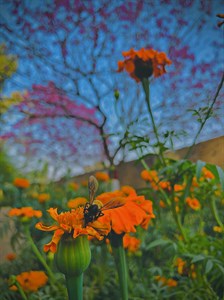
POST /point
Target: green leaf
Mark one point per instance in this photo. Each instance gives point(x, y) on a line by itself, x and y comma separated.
point(197, 258)
point(159, 242)
point(209, 266)
point(221, 176)
point(199, 165)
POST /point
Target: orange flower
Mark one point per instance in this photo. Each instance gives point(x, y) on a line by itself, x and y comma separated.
point(161, 279)
point(28, 212)
point(30, 281)
point(10, 256)
point(193, 273)
point(74, 186)
point(180, 263)
point(143, 63)
point(168, 282)
point(128, 190)
point(207, 174)
point(193, 203)
point(84, 183)
point(76, 202)
point(217, 228)
point(162, 204)
point(21, 183)
point(150, 175)
point(194, 184)
point(43, 197)
point(131, 243)
point(72, 222)
point(102, 176)
point(171, 282)
point(136, 210)
point(165, 185)
point(178, 187)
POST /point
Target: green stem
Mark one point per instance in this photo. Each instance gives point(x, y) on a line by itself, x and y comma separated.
point(38, 255)
point(145, 84)
point(143, 162)
point(21, 291)
point(205, 119)
point(215, 214)
point(121, 263)
point(74, 286)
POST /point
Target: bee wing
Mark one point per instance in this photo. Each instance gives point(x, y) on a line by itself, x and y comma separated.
point(93, 186)
point(113, 203)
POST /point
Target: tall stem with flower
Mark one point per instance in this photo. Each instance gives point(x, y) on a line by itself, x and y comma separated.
point(145, 84)
point(141, 65)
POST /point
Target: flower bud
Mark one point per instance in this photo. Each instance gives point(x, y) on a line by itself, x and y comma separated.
point(73, 255)
point(116, 94)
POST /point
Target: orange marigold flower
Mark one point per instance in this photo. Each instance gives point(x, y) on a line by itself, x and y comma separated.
point(136, 210)
point(43, 197)
point(217, 228)
point(31, 281)
point(178, 187)
point(72, 222)
point(150, 175)
point(10, 256)
point(131, 243)
point(171, 282)
point(22, 183)
point(193, 273)
point(76, 202)
point(162, 204)
point(207, 174)
point(143, 63)
point(194, 184)
point(176, 199)
point(193, 203)
point(84, 183)
point(165, 185)
point(128, 190)
point(28, 212)
point(102, 176)
point(74, 186)
point(168, 282)
point(161, 279)
point(180, 264)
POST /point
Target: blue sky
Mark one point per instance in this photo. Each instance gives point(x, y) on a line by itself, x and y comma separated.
point(123, 26)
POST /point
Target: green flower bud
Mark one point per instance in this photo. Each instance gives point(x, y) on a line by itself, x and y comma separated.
point(73, 255)
point(25, 219)
point(116, 94)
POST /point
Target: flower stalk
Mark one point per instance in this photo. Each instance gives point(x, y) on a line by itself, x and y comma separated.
point(215, 214)
point(74, 286)
point(145, 84)
point(121, 263)
point(38, 254)
point(72, 259)
point(13, 281)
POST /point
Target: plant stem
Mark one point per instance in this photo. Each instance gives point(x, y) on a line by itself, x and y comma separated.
point(74, 286)
point(145, 84)
point(21, 291)
point(205, 119)
point(39, 255)
point(215, 214)
point(121, 263)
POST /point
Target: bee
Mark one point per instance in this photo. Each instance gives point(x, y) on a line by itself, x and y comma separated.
point(94, 208)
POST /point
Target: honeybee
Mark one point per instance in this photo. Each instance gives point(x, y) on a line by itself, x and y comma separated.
point(94, 208)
